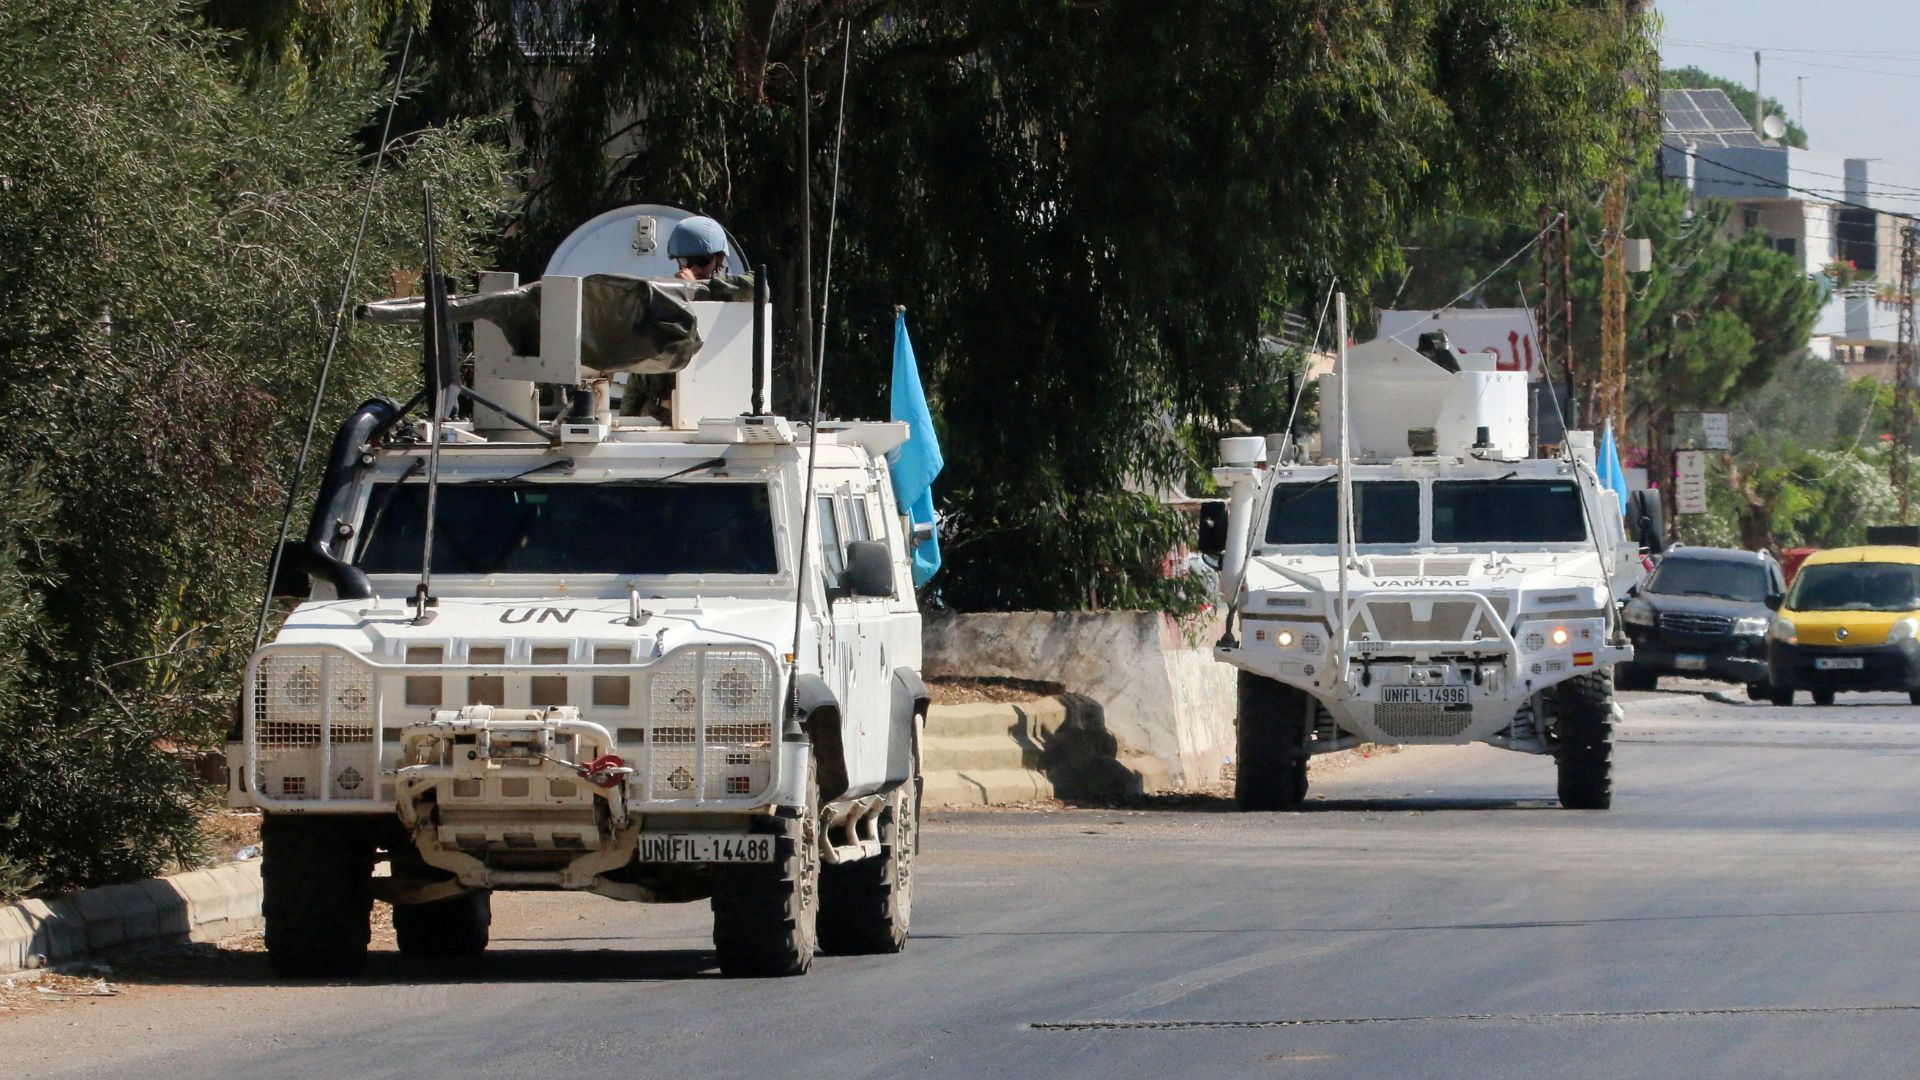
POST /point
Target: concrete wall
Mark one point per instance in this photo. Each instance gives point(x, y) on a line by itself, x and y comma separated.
point(1155, 678)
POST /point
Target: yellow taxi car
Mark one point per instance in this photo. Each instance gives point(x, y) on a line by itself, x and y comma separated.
point(1851, 621)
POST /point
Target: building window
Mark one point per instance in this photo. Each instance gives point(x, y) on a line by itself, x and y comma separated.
point(1855, 235)
point(1750, 217)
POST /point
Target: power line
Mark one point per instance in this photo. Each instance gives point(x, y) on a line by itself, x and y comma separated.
point(1779, 185)
point(1810, 63)
point(1872, 54)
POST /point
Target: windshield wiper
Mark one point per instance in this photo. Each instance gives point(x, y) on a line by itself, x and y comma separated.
point(557, 463)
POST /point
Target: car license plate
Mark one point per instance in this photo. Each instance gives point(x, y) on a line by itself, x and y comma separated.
point(1423, 695)
point(1689, 663)
point(1839, 663)
point(683, 848)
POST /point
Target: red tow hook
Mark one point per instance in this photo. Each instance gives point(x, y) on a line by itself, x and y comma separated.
point(606, 771)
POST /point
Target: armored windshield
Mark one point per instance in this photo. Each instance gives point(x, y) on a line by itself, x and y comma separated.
point(570, 528)
point(1384, 511)
point(1507, 512)
point(1710, 577)
point(1861, 586)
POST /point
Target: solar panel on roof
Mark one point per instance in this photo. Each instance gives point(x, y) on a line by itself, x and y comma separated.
point(1705, 117)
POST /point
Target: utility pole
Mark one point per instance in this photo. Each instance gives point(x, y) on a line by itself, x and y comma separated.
point(1759, 109)
point(1899, 468)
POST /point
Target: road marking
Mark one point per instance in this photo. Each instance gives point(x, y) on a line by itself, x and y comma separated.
point(1628, 1014)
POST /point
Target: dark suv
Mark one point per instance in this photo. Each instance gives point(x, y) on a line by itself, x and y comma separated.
point(1703, 613)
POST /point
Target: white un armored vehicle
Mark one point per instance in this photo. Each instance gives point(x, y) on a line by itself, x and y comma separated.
point(665, 651)
point(1469, 596)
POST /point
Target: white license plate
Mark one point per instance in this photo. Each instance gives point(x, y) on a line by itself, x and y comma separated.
point(1423, 695)
point(1839, 663)
point(683, 848)
point(1690, 663)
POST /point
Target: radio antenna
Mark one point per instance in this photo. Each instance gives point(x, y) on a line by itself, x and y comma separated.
point(436, 350)
point(815, 362)
point(333, 345)
point(833, 201)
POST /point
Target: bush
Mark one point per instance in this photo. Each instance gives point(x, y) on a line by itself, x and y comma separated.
point(174, 240)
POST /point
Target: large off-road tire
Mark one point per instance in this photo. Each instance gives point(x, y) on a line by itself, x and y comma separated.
point(1632, 676)
point(456, 926)
point(1823, 697)
point(316, 877)
point(1914, 696)
point(766, 915)
point(1270, 758)
point(1780, 695)
point(867, 906)
point(1583, 722)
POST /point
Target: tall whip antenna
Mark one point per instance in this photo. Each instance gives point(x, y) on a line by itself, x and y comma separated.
point(437, 353)
point(813, 418)
point(333, 344)
point(833, 203)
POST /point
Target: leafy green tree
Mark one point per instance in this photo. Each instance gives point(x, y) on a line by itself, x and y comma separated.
point(175, 243)
point(1089, 210)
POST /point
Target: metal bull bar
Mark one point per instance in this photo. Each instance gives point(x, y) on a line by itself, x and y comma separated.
point(1503, 644)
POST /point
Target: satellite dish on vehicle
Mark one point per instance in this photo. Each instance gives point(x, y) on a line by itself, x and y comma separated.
point(1773, 127)
point(631, 240)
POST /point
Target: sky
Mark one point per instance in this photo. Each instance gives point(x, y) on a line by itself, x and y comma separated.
point(1854, 63)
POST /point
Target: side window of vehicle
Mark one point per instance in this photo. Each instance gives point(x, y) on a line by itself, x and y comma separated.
point(859, 526)
point(833, 554)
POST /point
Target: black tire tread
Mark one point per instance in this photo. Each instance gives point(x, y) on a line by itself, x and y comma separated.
point(1823, 697)
point(765, 915)
point(866, 907)
point(316, 895)
point(453, 927)
point(1270, 767)
point(1583, 709)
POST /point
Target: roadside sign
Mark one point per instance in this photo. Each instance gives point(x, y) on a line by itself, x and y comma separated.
point(1702, 431)
point(1690, 481)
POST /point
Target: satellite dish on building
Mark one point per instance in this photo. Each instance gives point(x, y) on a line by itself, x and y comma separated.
point(1773, 127)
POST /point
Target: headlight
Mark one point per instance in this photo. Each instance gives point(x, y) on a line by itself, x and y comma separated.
point(1642, 615)
point(1904, 630)
point(1752, 625)
point(1783, 631)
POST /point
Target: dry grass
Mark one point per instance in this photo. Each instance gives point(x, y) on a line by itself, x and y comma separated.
point(966, 690)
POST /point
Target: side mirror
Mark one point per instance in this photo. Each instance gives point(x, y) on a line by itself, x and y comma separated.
point(1774, 600)
point(292, 580)
point(1213, 528)
point(1633, 590)
point(869, 569)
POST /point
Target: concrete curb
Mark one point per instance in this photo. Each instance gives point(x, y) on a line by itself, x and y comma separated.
point(1056, 747)
point(202, 905)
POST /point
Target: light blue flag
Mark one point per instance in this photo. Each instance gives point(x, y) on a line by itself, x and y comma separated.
point(1608, 460)
point(917, 461)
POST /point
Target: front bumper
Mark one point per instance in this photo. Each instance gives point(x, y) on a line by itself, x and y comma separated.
point(1882, 667)
point(1729, 657)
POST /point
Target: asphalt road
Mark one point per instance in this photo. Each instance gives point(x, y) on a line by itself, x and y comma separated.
point(1747, 909)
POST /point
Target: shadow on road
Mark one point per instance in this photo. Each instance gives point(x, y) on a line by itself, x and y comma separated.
point(207, 965)
point(1213, 803)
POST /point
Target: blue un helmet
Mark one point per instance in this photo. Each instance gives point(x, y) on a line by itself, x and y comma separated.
point(697, 238)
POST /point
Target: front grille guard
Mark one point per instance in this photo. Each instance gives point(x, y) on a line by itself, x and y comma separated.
point(336, 726)
point(1501, 646)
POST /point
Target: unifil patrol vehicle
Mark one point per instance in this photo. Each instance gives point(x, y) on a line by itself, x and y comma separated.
point(1426, 579)
point(593, 620)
